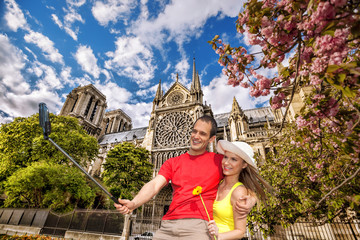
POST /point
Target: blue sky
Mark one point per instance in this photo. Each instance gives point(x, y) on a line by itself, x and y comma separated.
point(123, 47)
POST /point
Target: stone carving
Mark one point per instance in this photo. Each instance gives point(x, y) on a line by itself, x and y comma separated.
point(174, 129)
point(175, 98)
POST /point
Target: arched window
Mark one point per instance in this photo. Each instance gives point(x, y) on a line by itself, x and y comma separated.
point(107, 125)
point(94, 111)
point(111, 125)
point(88, 106)
point(76, 99)
point(119, 128)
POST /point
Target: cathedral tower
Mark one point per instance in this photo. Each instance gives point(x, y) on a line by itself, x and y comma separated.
point(238, 122)
point(88, 105)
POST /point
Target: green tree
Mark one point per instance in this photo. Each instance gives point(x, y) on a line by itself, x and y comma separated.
point(22, 143)
point(48, 185)
point(126, 170)
point(303, 175)
point(314, 44)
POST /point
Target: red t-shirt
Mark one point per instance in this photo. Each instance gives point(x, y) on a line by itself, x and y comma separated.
point(186, 172)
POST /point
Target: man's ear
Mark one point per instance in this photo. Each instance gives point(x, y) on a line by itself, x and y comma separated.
point(212, 138)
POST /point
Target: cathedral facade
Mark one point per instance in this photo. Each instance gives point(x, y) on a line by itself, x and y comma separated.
point(168, 133)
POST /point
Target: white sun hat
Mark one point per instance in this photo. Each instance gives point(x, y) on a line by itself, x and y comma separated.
point(242, 149)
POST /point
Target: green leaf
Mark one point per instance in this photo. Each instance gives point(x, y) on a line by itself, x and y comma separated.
point(332, 68)
point(341, 77)
point(349, 65)
point(329, 32)
point(349, 93)
point(354, 71)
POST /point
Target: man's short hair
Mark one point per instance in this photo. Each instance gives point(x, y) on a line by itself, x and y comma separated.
point(211, 120)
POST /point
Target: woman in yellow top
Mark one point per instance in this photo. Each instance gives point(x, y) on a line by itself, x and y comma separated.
point(241, 178)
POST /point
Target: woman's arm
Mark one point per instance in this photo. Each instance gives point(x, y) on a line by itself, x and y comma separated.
point(239, 221)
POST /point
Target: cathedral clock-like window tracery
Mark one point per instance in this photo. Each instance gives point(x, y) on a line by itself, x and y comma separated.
point(174, 129)
point(175, 98)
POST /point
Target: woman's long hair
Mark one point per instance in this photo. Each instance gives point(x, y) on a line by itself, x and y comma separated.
point(252, 180)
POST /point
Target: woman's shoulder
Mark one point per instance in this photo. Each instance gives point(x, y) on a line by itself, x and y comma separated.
point(239, 191)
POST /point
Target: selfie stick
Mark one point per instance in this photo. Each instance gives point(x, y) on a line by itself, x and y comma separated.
point(44, 121)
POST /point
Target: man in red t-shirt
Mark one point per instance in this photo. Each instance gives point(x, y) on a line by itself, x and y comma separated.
point(186, 217)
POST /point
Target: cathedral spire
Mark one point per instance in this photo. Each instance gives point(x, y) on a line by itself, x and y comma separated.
point(194, 72)
point(195, 90)
point(195, 84)
point(158, 95)
point(236, 108)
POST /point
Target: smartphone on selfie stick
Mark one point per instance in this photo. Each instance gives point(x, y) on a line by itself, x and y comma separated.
point(44, 121)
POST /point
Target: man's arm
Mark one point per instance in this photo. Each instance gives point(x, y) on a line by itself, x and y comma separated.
point(244, 205)
point(148, 191)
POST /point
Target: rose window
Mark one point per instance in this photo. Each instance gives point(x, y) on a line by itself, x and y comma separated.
point(175, 98)
point(174, 129)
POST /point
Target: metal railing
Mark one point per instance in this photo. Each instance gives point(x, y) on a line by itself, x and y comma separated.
point(112, 223)
point(91, 221)
point(299, 231)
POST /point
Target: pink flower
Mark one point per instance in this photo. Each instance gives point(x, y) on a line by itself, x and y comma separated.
point(338, 3)
point(315, 80)
point(267, 31)
point(244, 84)
point(313, 178)
point(319, 65)
point(301, 122)
point(319, 166)
point(265, 22)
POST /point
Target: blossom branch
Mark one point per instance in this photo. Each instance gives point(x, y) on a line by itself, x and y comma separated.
point(339, 186)
point(292, 91)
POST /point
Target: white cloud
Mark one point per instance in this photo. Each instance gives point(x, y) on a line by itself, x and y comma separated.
point(132, 59)
point(139, 113)
point(26, 105)
point(48, 78)
point(112, 10)
point(114, 31)
point(70, 18)
point(220, 96)
point(182, 68)
point(87, 60)
point(115, 95)
point(57, 21)
point(65, 75)
point(168, 66)
point(16, 97)
point(72, 33)
point(46, 45)
point(76, 3)
point(14, 17)
point(107, 74)
point(12, 61)
point(181, 19)
point(5, 119)
point(147, 92)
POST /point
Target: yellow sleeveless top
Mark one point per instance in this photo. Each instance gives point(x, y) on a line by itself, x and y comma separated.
point(223, 212)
